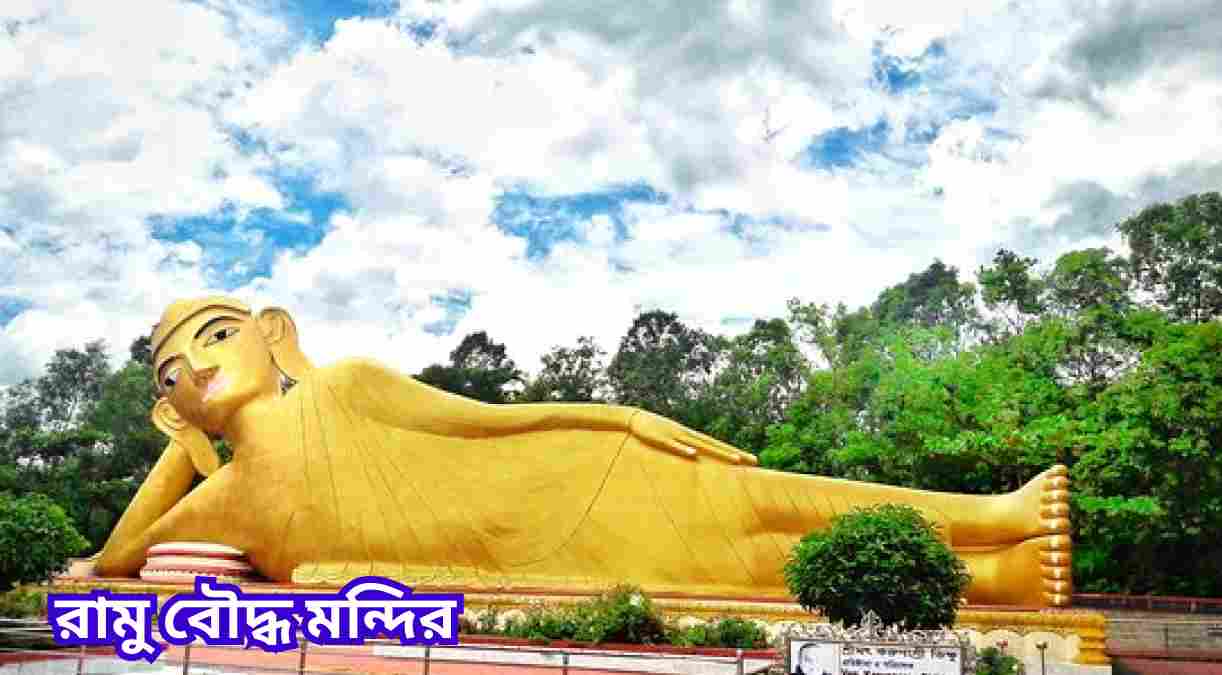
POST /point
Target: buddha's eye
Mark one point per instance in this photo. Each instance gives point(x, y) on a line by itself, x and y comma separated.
point(222, 334)
point(170, 379)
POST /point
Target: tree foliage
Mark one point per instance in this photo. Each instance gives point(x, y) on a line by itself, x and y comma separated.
point(1148, 475)
point(886, 559)
point(569, 374)
point(764, 372)
point(1011, 288)
point(930, 298)
point(479, 368)
point(72, 384)
point(662, 365)
point(1177, 255)
point(36, 539)
point(141, 350)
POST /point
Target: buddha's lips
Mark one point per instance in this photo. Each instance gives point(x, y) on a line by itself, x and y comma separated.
point(215, 385)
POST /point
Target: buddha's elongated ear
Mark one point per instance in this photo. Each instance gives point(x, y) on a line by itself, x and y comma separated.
point(195, 442)
point(280, 333)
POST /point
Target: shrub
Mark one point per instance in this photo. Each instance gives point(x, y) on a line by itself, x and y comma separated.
point(23, 602)
point(993, 661)
point(36, 539)
point(546, 623)
point(623, 614)
point(884, 558)
point(725, 632)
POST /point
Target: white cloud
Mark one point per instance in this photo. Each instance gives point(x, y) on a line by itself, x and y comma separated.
point(1041, 130)
point(109, 117)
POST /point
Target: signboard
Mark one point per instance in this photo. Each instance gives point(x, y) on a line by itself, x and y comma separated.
point(874, 649)
point(817, 657)
point(223, 614)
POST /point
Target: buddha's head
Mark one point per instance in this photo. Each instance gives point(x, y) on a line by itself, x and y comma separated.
point(212, 356)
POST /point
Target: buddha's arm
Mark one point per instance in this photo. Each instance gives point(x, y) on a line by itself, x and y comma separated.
point(398, 400)
point(395, 399)
point(167, 482)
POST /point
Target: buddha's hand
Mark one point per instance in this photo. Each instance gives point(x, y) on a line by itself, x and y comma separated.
point(670, 436)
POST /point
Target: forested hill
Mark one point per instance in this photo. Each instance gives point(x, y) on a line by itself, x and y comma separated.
point(1109, 364)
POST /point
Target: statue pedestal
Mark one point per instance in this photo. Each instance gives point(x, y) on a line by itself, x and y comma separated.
point(181, 562)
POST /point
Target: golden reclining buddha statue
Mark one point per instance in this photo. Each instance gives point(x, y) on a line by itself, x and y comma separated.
point(358, 469)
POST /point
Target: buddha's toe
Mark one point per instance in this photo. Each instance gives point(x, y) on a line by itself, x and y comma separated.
point(1054, 511)
point(1056, 569)
point(1054, 525)
point(1053, 506)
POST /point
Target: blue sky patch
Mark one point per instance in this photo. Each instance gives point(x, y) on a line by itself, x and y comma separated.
point(317, 17)
point(456, 303)
point(843, 147)
point(892, 73)
point(246, 143)
point(966, 106)
point(739, 223)
point(897, 75)
point(237, 251)
point(545, 221)
point(10, 307)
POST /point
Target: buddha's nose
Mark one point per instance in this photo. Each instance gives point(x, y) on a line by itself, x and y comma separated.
point(202, 376)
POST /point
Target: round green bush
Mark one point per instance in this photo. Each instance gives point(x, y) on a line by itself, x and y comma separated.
point(36, 539)
point(884, 558)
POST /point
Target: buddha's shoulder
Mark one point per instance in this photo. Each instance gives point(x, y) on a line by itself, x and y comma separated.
point(355, 373)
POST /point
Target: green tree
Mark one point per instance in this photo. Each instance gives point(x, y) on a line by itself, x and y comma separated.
point(1091, 290)
point(131, 446)
point(886, 559)
point(22, 413)
point(839, 336)
point(1089, 280)
point(823, 420)
point(980, 421)
point(36, 539)
point(479, 368)
point(662, 365)
point(1148, 483)
point(1011, 288)
point(72, 384)
point(930, 298)
point(141, 350)
point(123, 412)
point(569, 374)
point(1176, 253)
point(91, 467)
point(764, 373)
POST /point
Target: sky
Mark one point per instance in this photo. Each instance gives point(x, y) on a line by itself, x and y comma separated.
point(400, 174)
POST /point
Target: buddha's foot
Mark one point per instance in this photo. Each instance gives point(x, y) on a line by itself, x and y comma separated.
point(1047, 498)
point(1032, 573)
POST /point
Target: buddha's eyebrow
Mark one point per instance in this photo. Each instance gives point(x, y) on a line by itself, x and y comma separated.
point(205, 327)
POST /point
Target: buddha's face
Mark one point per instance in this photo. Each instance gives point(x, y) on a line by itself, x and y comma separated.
point(213, 364)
